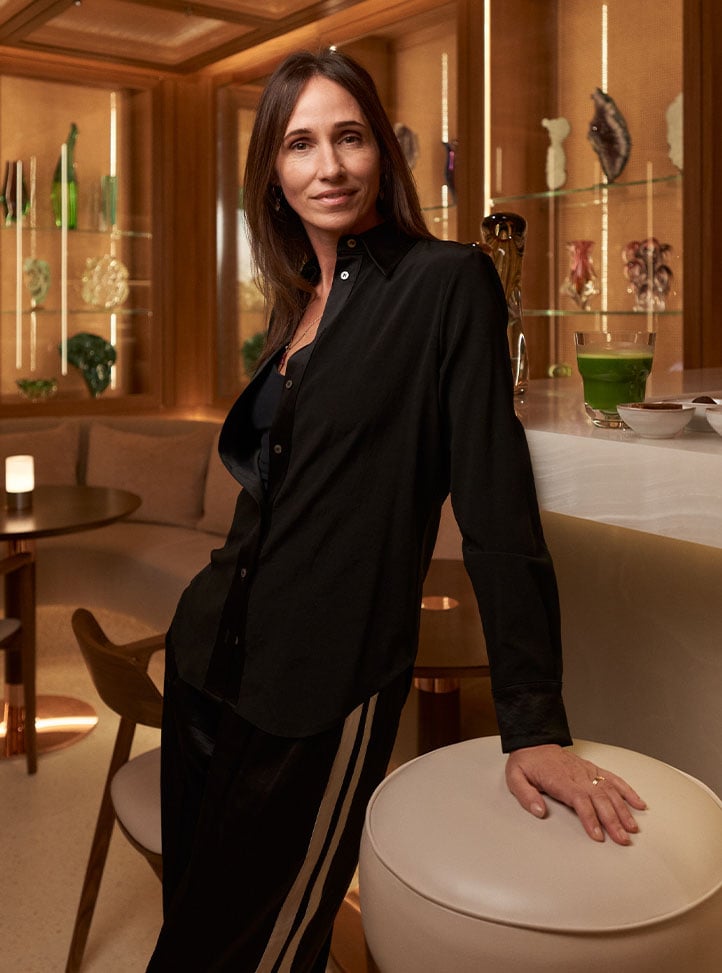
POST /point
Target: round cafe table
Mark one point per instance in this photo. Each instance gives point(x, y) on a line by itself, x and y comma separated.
point(37, 724)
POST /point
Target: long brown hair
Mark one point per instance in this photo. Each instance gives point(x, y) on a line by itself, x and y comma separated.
point(279, 244)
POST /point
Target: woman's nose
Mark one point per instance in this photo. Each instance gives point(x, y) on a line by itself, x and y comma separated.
point(329, 162)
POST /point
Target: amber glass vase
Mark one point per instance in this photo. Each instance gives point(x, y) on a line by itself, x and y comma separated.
point(504, 238)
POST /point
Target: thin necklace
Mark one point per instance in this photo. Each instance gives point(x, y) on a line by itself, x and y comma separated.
point(296, 340)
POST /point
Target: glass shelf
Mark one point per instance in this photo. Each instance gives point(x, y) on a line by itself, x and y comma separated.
point(595, 188)
point(46, 312)
point(80, 232)
point(594, 313)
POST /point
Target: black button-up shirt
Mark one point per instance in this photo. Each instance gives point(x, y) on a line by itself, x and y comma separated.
point(313, 603)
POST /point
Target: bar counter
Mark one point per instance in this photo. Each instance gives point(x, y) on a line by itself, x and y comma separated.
point(635, 529)
point(668, 487)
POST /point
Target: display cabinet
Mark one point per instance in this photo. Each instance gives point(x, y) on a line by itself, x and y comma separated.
point(518, 141)
point(584, 138)
point(77, 291)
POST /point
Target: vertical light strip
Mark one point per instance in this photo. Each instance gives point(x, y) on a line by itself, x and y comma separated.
point(444, 130)
point(113, 168)
point(18, 264)
point(64, 258)
point(604, 269)
point(33, 206)
point(650, 234)
point(33, 254)
point(605, 53)
point(444, 97)
point(113, 337)
point(113, 136)
point(487, 107)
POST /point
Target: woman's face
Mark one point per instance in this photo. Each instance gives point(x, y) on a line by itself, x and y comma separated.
point(328, 165)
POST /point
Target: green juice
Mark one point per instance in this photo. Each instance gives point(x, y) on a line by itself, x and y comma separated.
point(611, 377)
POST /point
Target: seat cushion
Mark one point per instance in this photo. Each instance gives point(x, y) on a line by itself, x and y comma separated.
point(168, 472)
point(54, 446)
point(456, 875)
point(135, 791)
point(8, 627)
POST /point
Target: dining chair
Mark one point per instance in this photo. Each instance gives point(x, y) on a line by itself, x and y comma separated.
point(17, 639)
point(131, 795)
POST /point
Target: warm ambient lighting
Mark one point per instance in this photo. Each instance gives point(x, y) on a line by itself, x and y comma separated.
point(19, 482)
point(57, 724)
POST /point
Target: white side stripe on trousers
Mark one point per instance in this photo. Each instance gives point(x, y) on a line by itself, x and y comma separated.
point(315, 858)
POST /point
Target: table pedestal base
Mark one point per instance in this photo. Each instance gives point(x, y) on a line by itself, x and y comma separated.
point(60, 721)
point(439, 720)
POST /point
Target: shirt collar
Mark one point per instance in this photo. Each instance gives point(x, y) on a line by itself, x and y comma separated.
point(385, 244)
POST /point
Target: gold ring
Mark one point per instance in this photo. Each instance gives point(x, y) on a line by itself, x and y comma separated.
point(598, 779)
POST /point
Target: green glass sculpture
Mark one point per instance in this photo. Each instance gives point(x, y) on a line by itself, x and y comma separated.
point(71, 182)
point(251, 351)
point(94, 357)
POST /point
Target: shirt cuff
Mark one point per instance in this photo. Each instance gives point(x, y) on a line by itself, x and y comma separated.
point(531, 716)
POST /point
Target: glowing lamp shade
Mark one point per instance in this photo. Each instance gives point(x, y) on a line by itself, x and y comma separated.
point(19, 482)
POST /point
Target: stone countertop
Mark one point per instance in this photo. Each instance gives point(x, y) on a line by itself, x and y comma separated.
point(668, 487)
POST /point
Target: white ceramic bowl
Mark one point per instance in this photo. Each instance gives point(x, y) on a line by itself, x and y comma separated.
point(656, 420)
point(714, 418)
point(699, 419)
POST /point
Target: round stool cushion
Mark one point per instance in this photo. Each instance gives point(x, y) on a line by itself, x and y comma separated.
point(456, 877)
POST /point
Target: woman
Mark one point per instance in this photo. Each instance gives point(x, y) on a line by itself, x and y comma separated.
point(384, 383)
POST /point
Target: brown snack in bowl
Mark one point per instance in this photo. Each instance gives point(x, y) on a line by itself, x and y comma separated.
point(659, 406)
point(704, 398)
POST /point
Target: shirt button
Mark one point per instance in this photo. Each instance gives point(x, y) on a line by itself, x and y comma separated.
point(344, 275)
point(289, 383)
point(278, 449)
point(351, 243)
point(244, 572)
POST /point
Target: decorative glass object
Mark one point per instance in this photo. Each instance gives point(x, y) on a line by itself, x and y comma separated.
point(108, 201)
point(94, 357)
point(104, 282)
point(37, 389)
point(648, 273)
point(10, 194)
point(56, 192)
point(609, 135)
point(450, 168)
point(675, 131)
point(581, 283)
point(504, 238)
point(36, 274)
point(556, 163)
point(251, 351)
point(409, 142)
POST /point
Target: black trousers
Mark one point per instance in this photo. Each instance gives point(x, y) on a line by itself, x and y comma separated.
point(261, 833)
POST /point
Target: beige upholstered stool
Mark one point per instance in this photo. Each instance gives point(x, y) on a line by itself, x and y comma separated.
point(455, 877)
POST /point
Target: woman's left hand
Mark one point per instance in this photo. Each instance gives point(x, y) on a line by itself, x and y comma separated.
point(601, 799)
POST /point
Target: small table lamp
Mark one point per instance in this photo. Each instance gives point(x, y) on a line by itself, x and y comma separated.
point(19, 482)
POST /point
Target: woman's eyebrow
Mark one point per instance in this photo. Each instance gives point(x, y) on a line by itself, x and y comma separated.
point(307, 131)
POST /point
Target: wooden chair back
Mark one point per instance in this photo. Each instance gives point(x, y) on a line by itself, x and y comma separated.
point(120, 675)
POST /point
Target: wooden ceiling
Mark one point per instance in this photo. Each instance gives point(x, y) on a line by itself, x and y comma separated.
point(169, 35)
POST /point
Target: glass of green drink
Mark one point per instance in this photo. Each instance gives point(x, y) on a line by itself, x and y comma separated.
point(614, 366)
